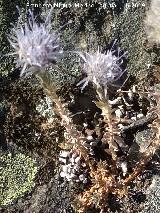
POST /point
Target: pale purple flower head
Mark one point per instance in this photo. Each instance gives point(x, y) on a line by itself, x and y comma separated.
point(102, 69)
point(35, 45)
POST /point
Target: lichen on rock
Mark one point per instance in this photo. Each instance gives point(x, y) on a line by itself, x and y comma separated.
point(17, 174)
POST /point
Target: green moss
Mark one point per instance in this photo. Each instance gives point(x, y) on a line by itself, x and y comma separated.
point(129, 27)
point(17, 175)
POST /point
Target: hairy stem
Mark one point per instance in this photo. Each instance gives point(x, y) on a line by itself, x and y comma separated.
point(103, 104)
point(73, 136)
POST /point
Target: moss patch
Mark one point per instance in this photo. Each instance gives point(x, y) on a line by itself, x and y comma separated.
point(17, 175)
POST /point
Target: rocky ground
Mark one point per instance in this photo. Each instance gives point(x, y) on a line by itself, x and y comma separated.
point(31, 135)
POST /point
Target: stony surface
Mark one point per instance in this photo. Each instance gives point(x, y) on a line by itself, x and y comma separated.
point(16, 177)
point(152, 203)
point(26, 128)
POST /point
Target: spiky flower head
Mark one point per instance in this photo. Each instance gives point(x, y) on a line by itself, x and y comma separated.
point(102, 69)
point(36, 45)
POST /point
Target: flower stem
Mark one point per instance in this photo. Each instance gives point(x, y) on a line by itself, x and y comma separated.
point(73, 136)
